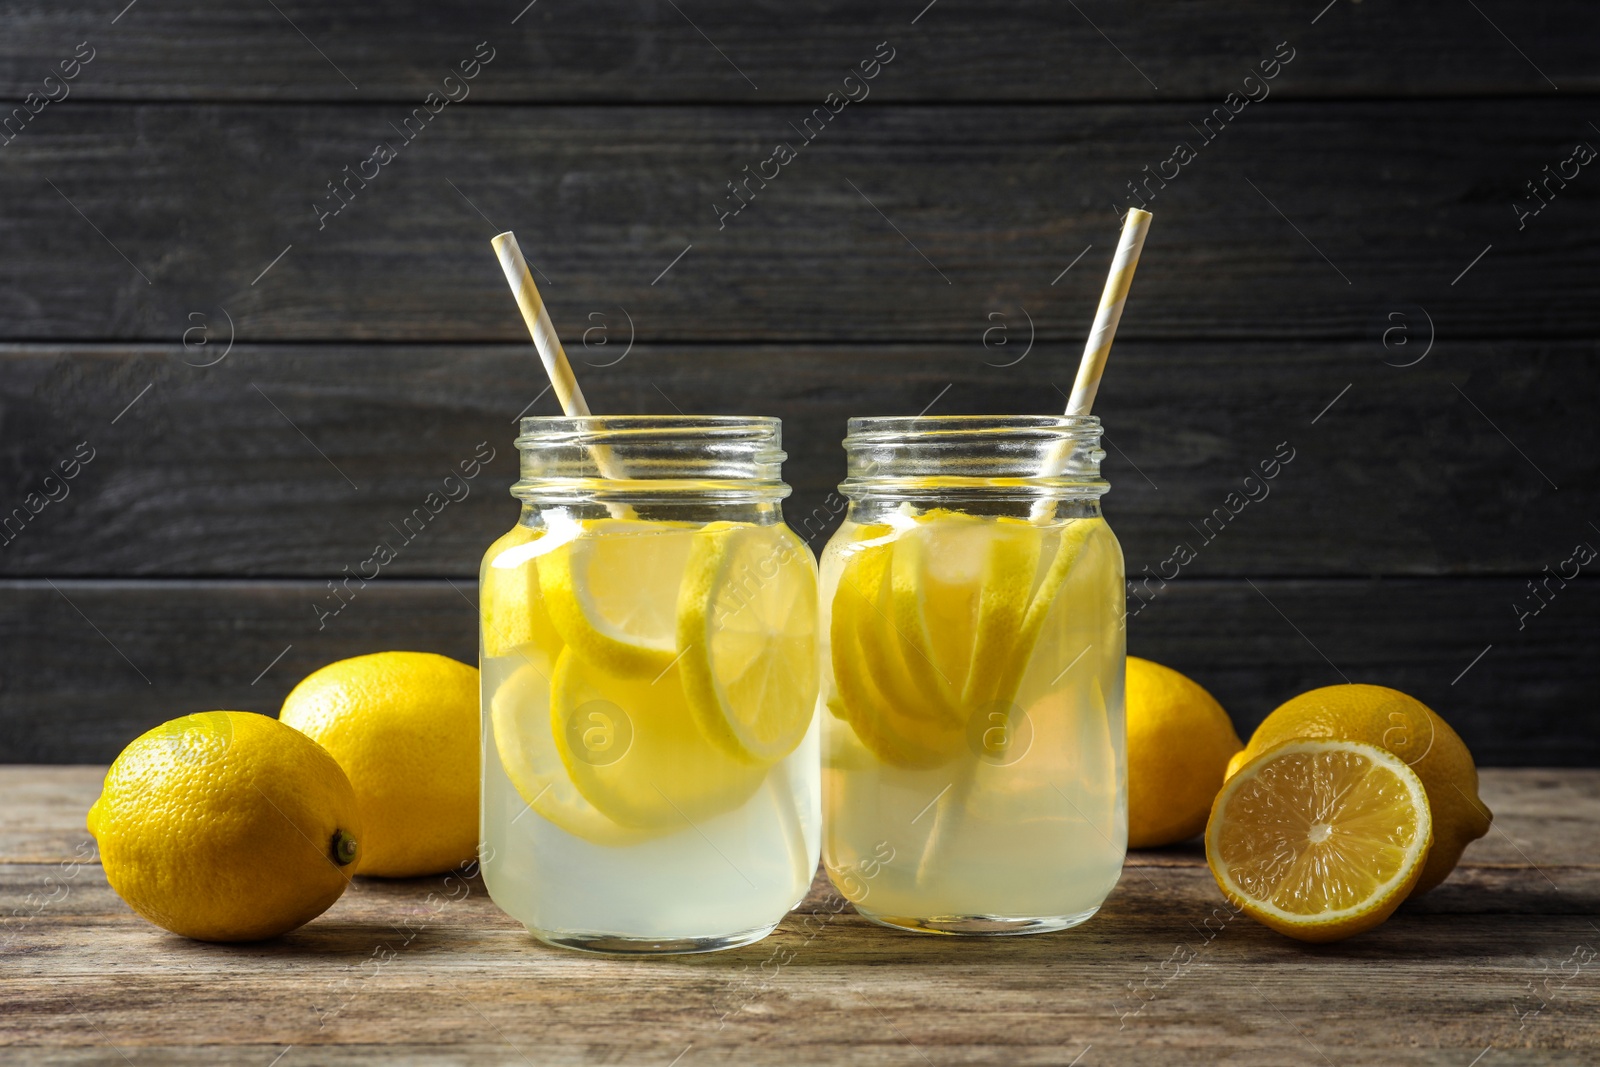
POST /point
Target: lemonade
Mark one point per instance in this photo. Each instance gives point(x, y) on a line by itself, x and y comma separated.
point(650, 737)
point(974, 678)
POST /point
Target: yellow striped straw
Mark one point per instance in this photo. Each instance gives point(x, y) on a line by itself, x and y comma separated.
point(551, 354)
point(1123, 264)
point(1134, 228)
point(540, 328)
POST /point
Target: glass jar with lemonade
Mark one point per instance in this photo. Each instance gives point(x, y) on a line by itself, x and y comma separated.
point(650, 726)
point(974, 752)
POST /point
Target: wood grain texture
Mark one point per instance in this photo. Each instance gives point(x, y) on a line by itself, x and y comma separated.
point(240, 468)
point(635, 50)
point(35, 819)
point(897, 223)
point(429, 971)
point(91, 664)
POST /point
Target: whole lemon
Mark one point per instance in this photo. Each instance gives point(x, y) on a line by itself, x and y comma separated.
point(1179, 741)
point(1406, 727)
point(404, 726)
point(226, 826)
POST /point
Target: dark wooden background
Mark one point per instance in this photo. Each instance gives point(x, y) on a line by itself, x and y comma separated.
point(1341, 269)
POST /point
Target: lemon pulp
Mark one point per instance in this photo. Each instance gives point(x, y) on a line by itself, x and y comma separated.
point(1320, 839)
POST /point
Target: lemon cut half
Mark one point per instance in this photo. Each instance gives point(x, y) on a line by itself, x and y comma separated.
point(1320, 840)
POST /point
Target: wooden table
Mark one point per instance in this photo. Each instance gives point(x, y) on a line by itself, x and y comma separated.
point(1498, 966)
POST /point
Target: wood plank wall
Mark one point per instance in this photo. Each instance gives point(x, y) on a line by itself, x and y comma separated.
point(250, 378)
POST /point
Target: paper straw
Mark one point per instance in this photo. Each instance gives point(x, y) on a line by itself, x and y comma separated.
point(1134, 227)
point(551, 354)
point(952, 804)
point(540, 327)
point(1123, 264)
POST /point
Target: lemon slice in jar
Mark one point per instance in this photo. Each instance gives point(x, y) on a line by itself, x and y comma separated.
point(1073, 540)
point(511, 603)
point(746, 628)
point(519, 711)
point(961, 590)
point(872, 691)
point(612, 593)
point(634, 750)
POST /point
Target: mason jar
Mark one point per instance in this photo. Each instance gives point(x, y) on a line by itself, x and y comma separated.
point(974, 765)
point(650, 726)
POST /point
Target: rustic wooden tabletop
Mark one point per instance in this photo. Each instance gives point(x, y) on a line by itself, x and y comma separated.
point(1498, 966)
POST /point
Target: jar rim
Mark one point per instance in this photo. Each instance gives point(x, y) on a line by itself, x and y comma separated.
point(873, 428)
point(669, 424)
point(973, 456)
point(998, 419)
point(650, 458)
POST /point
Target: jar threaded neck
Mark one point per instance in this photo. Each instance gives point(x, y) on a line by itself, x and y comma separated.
point(1036, 457)
point(644, 458)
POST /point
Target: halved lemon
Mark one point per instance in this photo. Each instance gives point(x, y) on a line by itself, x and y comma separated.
point(1320, 840)
point(520, 713)
point(612, 593)
point(509, 597)
point(747, 625)
point(633, 749)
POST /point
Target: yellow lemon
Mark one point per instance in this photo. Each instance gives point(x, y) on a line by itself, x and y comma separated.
point(226, 826)
point(1405, 726)
point(867, 636)
point(526, 745)
point(1071, 543)
point(747, 624)
point(611, 590)
point(508, 593)
point(681, 663)
point(936, 582)
point(404, 726)
point(936, 622)
point(634, 750)
point(961, 586)
point(1179, 742)
point(874, 691)
point(1319, 840)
